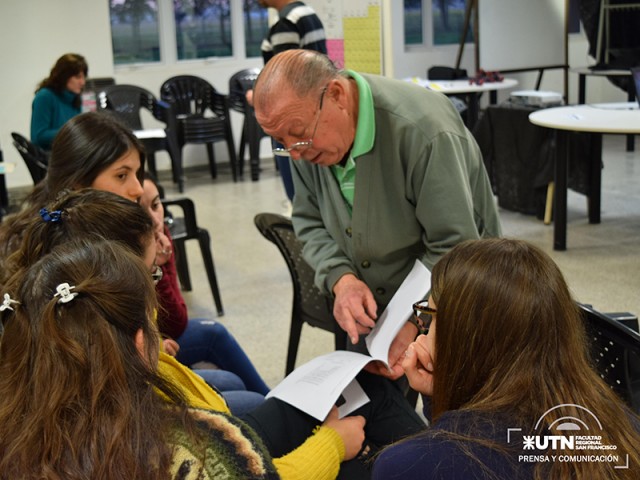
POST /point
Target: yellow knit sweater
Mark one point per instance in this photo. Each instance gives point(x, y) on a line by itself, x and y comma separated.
point(318, 458)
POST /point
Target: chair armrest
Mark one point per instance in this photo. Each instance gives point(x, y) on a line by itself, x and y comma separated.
point(188, 212)
point(163, 111)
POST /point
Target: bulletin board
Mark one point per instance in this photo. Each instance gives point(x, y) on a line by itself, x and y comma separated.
point(354, 32)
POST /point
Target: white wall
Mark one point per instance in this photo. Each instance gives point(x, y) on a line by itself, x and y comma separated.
point(34, 33)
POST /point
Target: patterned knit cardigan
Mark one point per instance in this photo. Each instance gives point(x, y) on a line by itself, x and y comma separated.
point(230, 450)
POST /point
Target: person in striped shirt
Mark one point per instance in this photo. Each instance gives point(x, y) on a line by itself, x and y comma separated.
point(298, 26)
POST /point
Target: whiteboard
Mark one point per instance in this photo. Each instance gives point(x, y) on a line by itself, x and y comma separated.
point(516, 34)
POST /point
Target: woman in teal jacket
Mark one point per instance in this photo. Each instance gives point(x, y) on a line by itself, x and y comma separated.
point(58, 98)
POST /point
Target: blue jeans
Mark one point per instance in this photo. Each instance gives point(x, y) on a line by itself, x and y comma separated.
point(284, 167)
point(232, 388)
point(209, 341)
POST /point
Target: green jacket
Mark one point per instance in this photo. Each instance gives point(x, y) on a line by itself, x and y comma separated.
point(419, 191)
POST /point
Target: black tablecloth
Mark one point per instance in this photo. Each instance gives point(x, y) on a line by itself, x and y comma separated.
point(519, 157)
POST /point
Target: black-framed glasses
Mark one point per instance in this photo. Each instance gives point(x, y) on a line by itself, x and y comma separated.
point(156, 274)
point(303, 145)
point(424, 313)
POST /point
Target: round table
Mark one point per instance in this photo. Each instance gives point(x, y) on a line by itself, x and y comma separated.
point(584, 72)
point(616, 118)
point(472, 91)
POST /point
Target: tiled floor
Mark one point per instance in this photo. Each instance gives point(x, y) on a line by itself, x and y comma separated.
point(602, 262)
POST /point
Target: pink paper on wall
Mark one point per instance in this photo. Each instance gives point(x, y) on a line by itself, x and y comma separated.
point(335, 51)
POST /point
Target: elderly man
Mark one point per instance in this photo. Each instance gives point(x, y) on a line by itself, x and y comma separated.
point(298, 26)
point(390, 175)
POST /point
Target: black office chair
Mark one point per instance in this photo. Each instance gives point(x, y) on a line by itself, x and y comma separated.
point(127, 101)
point(252, 132)
point(183, 228)
point(615, 352)
point(202, 116)
point(309, 304)
point(36, 158)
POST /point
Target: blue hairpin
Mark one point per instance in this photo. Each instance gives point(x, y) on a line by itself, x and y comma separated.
point(48, 216)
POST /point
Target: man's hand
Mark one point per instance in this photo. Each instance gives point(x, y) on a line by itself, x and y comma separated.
point(398, 347)
point(418, 365)
point(354, 308)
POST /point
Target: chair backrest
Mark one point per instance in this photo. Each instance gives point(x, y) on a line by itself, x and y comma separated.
point(126, 101)
point(191, 95)
point(239, 83)
point(95, 84)
point(184, 227)
point(615, 352)
point(36, 158)
point(309, 303)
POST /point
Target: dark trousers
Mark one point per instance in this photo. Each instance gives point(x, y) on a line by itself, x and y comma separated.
point(284, 167)
point(389, 417)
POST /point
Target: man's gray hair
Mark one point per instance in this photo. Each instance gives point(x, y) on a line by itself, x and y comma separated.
point(301, 72)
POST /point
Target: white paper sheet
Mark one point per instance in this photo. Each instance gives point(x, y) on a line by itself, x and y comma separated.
point(316, 386)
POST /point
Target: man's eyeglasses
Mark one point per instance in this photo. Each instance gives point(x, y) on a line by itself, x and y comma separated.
point(156, 274)
point(424, 313)
point(301, 146)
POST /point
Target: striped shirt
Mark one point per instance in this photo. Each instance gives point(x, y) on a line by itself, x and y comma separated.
point(298, 26)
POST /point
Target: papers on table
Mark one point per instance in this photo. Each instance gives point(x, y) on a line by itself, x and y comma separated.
point(150, 133)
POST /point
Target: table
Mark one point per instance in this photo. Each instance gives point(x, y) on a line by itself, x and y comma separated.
point(584, 72)
point(472, 92)
point(617, 118)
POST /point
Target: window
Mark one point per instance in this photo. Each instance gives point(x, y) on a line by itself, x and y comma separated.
point(448, 21)
point(203, 29)
point(413, 22)
point(444, 19)
point(256, 26)
point(135, 36)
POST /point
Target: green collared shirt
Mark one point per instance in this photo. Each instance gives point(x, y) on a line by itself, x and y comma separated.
point(363, 142)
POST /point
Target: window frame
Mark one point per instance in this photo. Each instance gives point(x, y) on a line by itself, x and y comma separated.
point(428, 33)
point(168, 42)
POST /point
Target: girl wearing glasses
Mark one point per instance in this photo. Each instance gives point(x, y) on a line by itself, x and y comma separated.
point(505, 362)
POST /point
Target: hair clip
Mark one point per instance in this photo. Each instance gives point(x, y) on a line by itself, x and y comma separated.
point(65, 293)
point(48, 216)
point(7, 302)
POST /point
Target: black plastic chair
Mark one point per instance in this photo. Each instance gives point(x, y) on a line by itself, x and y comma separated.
point(202, 116)
point(127, 101)
point(95, 84)
point(36, 158)
point(252, 133)
point(615, 352)
point(186, 228)
point(309, 304)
